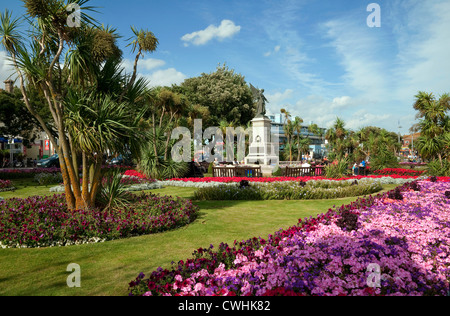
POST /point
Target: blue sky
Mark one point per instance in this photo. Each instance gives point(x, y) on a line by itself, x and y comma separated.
point(318, 58)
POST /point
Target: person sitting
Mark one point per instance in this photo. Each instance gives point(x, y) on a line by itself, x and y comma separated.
point(216, 162)
point(362, 168)
point(355, 169)
point(235, 162)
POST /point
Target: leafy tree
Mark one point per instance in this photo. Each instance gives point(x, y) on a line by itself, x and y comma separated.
point(224, 93)
point(16, 119)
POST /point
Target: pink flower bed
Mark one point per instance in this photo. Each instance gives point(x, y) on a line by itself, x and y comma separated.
point(396, 243)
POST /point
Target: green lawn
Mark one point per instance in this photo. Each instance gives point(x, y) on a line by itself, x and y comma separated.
point(106, 269)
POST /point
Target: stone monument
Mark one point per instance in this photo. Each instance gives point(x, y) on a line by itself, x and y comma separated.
point(263, 149)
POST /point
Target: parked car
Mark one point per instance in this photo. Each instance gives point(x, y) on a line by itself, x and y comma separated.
point(51, 162)
point(121, 161)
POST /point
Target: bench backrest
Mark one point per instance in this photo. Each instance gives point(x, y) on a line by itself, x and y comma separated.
point(244, 172)
point(295, 172)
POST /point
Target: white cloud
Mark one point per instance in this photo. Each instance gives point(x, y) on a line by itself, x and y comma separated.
point(165, 77)
point(227, 29)
point(363, 118)
point(149, 69)
point(279, 97)
point(6, 69)
point(143, 64)
point(274, 51)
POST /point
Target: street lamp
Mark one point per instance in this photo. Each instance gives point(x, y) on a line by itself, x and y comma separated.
point(11, 154)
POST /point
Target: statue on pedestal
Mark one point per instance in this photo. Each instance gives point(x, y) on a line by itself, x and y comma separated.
point(258, 94)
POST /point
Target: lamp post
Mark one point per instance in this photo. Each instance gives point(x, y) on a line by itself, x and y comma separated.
point(11, 154)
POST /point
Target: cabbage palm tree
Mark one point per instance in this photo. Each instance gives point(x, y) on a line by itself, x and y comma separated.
point(336, 136)
point(434, 124)
point(62, 61)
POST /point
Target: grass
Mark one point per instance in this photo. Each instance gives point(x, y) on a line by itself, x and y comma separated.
point(106, 269)
point(26, 187)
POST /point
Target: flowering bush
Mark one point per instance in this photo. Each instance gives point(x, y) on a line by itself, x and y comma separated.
point(46, 221)
point(374, 246)
point(6, 185)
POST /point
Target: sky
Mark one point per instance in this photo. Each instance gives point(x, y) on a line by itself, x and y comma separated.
point(318, 59)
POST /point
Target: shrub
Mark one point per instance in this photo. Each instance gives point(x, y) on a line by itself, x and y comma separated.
point(210, 168)
point(48, 178)
point(336, 171)
point(112, 192)
point(384, 159)
point(278, 172)
point(435, 168)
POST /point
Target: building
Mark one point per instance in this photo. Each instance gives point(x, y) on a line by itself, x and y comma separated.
point(318, 148)
point(409, 149)
point(41, 148)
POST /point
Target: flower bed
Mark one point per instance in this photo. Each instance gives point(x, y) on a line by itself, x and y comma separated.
point(131, 179)
point(283, 179)
point(399, 172)
point(298, 190)
point(46, 221)
point(389, 244)
point(214, 182)
point(26, 173)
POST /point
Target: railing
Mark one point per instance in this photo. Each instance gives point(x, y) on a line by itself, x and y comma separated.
point(295, 172)
point(236, 171)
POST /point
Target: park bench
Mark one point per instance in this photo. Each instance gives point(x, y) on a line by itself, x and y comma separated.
point(237, 171)
point(295, 172)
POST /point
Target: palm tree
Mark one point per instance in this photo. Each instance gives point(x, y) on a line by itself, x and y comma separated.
point(433, 124)
point(297, 134)
point(288, 131)
point(336, 137)
point(62, 61)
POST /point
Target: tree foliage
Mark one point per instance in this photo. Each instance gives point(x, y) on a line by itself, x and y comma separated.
point(434, 125)
point(224, 93)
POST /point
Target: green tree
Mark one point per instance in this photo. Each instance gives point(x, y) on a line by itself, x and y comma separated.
point(16, 119)
point(224, 93)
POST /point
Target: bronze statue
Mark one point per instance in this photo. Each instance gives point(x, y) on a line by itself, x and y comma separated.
point(261, 101)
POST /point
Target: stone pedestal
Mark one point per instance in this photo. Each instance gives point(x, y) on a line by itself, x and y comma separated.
point(263, 151)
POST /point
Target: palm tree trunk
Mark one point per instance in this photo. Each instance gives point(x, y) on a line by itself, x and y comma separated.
point(96, 182)
point(86, 178)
